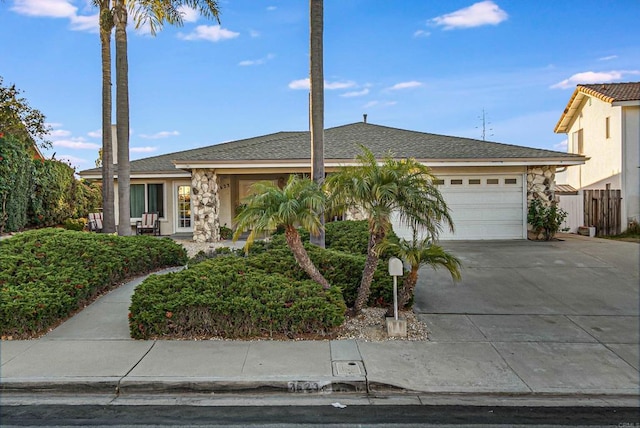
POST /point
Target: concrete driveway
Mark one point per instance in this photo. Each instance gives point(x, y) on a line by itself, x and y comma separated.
point(550, 309)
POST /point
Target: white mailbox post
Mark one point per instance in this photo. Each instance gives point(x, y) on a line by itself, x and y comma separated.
point(395, 326)
point(395, 270)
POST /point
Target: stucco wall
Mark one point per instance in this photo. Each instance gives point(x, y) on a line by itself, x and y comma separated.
point(631, 170)
point(605, 153)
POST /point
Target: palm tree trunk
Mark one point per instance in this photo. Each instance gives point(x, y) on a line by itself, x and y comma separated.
point(108, 202)
point(408, 288)
point(295, 243)
point(122, 119)
point(375, 237)
point(316, 103)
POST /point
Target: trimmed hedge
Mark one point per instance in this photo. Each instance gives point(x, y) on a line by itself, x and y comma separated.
point(342, 270)
point(227, 297)
point(46, 274)
point(350, 236)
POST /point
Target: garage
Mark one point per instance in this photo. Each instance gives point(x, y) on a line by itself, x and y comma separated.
point(482, 207)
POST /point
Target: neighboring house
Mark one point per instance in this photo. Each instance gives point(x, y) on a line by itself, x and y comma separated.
point(485, 184)
point(602, 123)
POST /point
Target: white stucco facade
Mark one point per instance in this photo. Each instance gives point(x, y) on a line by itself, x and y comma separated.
point(608, 134)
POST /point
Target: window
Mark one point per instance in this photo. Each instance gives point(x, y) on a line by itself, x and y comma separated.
point(474, 181)
point(492, 181)
point(456, 181)
point(146, 198)
point(607, 127)
point(510, 181)
point(438, 182)
point(578, 143)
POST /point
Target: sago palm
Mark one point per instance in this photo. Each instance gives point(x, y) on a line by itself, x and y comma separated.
point(295, 205)
point(417, 253)
point(380, 189)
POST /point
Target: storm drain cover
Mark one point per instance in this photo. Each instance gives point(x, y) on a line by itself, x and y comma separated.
point(348, 368)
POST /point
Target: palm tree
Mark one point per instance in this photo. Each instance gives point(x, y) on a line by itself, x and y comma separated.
point(417, 253)
point(122, 117)
point(296, 204)
point(106, 26)
point(316, 102)
point(378, 190)
point(155, 13)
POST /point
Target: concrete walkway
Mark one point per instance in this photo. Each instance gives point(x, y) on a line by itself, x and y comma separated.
point(498, 337)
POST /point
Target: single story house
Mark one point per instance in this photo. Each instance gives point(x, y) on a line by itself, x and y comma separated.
point(486, 184)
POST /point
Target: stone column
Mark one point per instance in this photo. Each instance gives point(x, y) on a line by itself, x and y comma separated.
point(541, 181)
point(205, 204)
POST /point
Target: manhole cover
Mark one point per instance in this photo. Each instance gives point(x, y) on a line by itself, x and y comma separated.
point(348, 368)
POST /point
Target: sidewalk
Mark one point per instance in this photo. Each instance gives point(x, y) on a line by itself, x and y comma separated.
point(92, 353)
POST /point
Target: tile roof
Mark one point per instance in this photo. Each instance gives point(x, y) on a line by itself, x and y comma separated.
point(611, 92)
point(607, 92)
point(343, 143)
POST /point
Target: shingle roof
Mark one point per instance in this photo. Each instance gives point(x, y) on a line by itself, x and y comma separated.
point(611, 92)
point(343, 143)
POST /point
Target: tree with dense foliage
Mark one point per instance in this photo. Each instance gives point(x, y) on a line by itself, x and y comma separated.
point(419, 252)
point(295, 205)
point(316, 101)
point(19, 119)
point(380, 189)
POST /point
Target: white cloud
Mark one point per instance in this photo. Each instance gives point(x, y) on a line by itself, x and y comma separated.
point(95, 134)
point(476, 15)
point(77, 143)
point(88, 23)
point(271, 8)
point(405, 85)
point(379, 104)
point(562, 145)
point(212, 33)
point(300, 84)
point(45, 8)
point(587, 77)
point(189, 14)
point(158, 135)
point(254, 33)
point(146, 149)
point(421, 33)
point(256, 61)
point(305, 84)
point(608, 58)
point(73, 160)
point(361, 93)
point(59, 133)
point(338, 85)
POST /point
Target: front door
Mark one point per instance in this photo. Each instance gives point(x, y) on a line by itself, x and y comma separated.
point(183, 206)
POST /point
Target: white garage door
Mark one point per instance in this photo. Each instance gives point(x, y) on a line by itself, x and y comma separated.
point(482, 207)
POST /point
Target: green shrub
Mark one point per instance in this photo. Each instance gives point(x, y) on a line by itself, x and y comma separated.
point(546, 219)
point(75, 224)
point(47, 274)
point(350, 236)
point(227, 297)
point(15, 183)
point(225, 232)
point(342, 270)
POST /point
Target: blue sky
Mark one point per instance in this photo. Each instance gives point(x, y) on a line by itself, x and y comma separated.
point(430, 66)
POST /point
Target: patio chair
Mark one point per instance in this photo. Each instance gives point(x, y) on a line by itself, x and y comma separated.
point(148, 224)
point(95, 222)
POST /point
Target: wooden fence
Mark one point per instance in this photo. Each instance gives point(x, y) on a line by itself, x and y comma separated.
point(602, 210)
